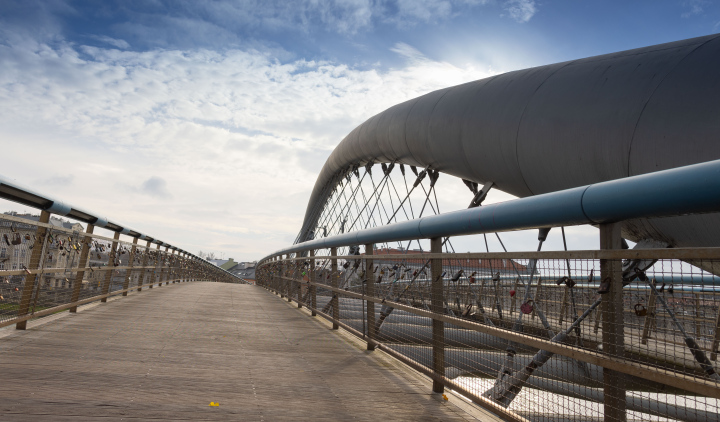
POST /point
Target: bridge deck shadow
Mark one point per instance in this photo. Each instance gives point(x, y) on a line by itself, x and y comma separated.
point(167, 354)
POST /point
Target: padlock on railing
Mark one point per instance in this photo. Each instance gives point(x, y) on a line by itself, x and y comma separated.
point(457, 276)
point(527, 307)
point(604, 286)
point(640, 309)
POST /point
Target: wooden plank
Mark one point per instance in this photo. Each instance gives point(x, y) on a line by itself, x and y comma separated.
point(165, 356)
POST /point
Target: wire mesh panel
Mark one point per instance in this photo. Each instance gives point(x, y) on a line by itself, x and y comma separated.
point(527, 332)
point(51, 265)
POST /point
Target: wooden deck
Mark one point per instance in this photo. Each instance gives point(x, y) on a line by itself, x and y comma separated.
point(166, 353)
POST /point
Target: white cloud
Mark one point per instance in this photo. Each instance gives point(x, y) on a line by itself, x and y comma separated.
point(222, 20)
point(409, 52)
point(121, 44)
point(521, 10)
point(694, 7)
point(207, 150)
point(56, 180)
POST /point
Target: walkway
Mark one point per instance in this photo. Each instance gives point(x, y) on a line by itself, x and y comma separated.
point(165, 354)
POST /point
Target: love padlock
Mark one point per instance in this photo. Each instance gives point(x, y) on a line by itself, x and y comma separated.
point(640, 310)
point(527, 307)
point(604, 286)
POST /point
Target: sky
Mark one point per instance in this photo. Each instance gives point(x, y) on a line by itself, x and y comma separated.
point(205, 123)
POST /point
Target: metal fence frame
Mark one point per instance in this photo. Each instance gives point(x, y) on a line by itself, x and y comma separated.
point(172, 265)
point(686, 190)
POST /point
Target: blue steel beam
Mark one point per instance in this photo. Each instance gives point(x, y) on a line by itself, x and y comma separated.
point(693, 189)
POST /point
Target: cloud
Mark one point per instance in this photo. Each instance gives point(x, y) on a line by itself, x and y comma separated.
point(409, 52)
point(521, 10)
point(695, 7)
point(57, 180)
point(155, 186)
point(121, 44)
point(234, 139)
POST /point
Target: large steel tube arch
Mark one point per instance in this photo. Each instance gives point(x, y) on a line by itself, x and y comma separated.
point(559, 126)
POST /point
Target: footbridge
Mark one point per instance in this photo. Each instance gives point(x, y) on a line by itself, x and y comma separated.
point(382, 315)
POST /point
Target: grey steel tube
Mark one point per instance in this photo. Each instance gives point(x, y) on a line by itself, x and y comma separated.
point(559, 126)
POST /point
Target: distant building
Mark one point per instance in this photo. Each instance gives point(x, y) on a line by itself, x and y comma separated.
point(241, 269)
point(227, 265)
point(218, 262)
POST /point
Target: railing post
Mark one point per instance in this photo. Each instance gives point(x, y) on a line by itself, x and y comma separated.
point(716, 338)
point(370, 291)
point(290, 276)
point(129, 271)
point(169, 269)
point(437, 306)
point(281, 274)
point(181, 266)
point(334, 283)
point(166, 270)
point(82, 262)
point(170, 277)
point(313, 289)
point(161, 259)
point(141, 281)
point(111, 263)
point(156, 267)
point(613, 336)
point(29, 285)
point(299, 282)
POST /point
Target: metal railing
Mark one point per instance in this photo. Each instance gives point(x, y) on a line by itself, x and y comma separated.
point(48, 265)
point(614, 334)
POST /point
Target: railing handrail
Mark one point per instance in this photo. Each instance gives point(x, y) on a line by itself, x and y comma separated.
point(691, 189)
point(19, 193)
point(16, 192)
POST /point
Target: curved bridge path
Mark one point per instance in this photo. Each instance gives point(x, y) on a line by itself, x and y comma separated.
point(165, 354)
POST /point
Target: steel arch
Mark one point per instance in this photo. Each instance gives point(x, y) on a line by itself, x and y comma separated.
point(556, 127)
